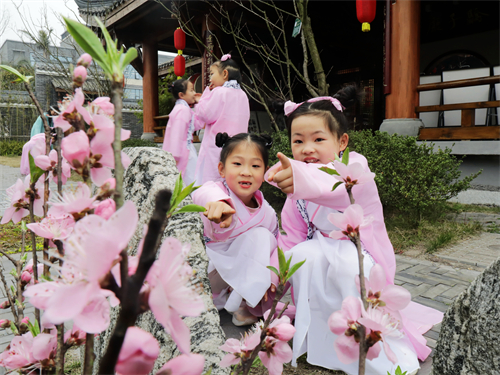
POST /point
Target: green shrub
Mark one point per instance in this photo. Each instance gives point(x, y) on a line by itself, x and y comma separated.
point(11, 147)
point(137, 142)
point(412, 179)
point(281, 143)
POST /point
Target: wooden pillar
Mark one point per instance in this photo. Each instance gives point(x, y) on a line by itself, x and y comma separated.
point(150, 88)
point(405, 59)
point(208, 29)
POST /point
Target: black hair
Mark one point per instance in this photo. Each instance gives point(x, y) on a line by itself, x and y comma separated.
point(335, 119)
point(177, 87)
point(233, 69)
point(228, 144)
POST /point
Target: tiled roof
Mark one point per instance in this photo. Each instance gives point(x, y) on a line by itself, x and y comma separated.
point(97, 7)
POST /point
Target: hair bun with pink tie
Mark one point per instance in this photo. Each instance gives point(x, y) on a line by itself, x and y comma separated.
point(225, 57)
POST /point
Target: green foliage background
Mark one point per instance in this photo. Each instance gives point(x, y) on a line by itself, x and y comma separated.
point(11, 147)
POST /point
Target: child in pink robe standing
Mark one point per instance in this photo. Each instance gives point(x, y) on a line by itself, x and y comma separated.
point(240, 226)
point(224, 109)
point(317, 130)
point(182, 122)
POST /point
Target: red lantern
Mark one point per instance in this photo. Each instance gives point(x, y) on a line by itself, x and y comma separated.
point(365, 10)
point(179, 39)
point(179, 65)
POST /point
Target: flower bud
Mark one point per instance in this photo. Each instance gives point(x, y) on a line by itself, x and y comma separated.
point(5, 305)
point(25, 320)
point(4, 323)
point(84, 60)
point(79, 75)
point(26, 277)
point(106, 208)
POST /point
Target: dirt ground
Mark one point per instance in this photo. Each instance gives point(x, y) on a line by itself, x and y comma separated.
point(11, 161)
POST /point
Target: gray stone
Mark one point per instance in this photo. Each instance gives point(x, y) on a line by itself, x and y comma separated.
point(469, 343)
point(402, 126)
point(151, 170)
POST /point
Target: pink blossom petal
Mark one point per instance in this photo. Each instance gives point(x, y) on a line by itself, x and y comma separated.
point(138, 353)
point(352, 306)
point(346, 348)
point(68, 302)
point(100, 175)
point(231, 346)
point(373, 352)
point(396, 297)
point(43, 345)
point(377, 278)
point(229, 360)
point(94, 317)
point(60, 122)
point(75, 147)
point(389, 353)
point(39, 294)
point(43, 162)
point(40, 230)
point(337, 322)
point(184, 364)
point(125, 134)
point(354, 215)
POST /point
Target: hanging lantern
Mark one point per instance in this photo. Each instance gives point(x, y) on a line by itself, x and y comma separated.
point(365, 10)
point(179, 39)
point(179, 65)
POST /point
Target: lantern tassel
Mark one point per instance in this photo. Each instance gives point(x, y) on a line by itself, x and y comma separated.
point(365, 27)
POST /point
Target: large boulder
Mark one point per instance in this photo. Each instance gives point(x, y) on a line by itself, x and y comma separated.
point(469, 342)
point(151, 170)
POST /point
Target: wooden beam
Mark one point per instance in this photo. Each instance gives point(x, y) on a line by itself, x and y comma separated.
point(459, 83)
point(459, 133)
point(453, 107)
point(468, 117)
point(122, 11)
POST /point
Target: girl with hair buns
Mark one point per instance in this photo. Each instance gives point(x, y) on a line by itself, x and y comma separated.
point(181, 124)
point(318, 132)
point(240, 227)
point(224, 108)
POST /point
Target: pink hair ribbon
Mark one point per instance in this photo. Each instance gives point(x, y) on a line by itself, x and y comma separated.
point(291, 106)
point(225, 57)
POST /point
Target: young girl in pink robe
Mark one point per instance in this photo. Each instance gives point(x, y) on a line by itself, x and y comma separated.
point(182, 122)
point(224, 108)
point(240, 226)
point(317, 130)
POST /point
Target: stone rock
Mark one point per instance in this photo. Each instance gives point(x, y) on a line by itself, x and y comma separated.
point(151, 170)
point(469, 342)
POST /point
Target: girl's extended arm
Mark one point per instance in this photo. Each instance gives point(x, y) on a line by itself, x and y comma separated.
point(205, 196)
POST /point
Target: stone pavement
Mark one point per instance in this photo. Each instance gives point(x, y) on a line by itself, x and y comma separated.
point(430, 283)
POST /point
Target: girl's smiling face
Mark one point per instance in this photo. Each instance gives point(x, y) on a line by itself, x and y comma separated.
point(217, 78)
point(244, 171)
point(313, 142)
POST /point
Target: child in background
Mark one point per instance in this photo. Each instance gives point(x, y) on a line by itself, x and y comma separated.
point(224, 108)
point(318, 131)
point(240, 226)
point(181, 124)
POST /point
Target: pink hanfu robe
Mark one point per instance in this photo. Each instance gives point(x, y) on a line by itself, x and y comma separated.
point(328, 275)
point(182, 122)
point(223, 109)
point(38, 142)
point(242, 252)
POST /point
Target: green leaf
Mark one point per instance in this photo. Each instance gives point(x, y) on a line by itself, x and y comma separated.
point(330, 171)
point(288, 262)
point(182, 195)
point(337, 185)
point(274, 270)
point(23, 226)
point(12, 289)
point(282, 261)
point(209, 372)
point(13, 272)
point(88, 41)
point(20, 76)
point(35, 171)
point(128, 57)
point(337, 158)
point(190, 208)
point(13, 327)
point(34, 329)
point(177, 191)
point(345, 156)
point(294, 268)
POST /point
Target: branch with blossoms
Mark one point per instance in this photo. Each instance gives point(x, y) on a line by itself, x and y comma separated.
point(269, 339)
point(362, 323)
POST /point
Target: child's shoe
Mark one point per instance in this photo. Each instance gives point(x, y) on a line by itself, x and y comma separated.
point(243, 317)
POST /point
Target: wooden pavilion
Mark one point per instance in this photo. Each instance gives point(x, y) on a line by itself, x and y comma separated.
point(388, 61)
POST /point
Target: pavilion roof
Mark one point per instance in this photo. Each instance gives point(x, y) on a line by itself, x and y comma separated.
point(98, 7)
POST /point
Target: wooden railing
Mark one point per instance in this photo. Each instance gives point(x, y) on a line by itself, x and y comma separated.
point(467, 130)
